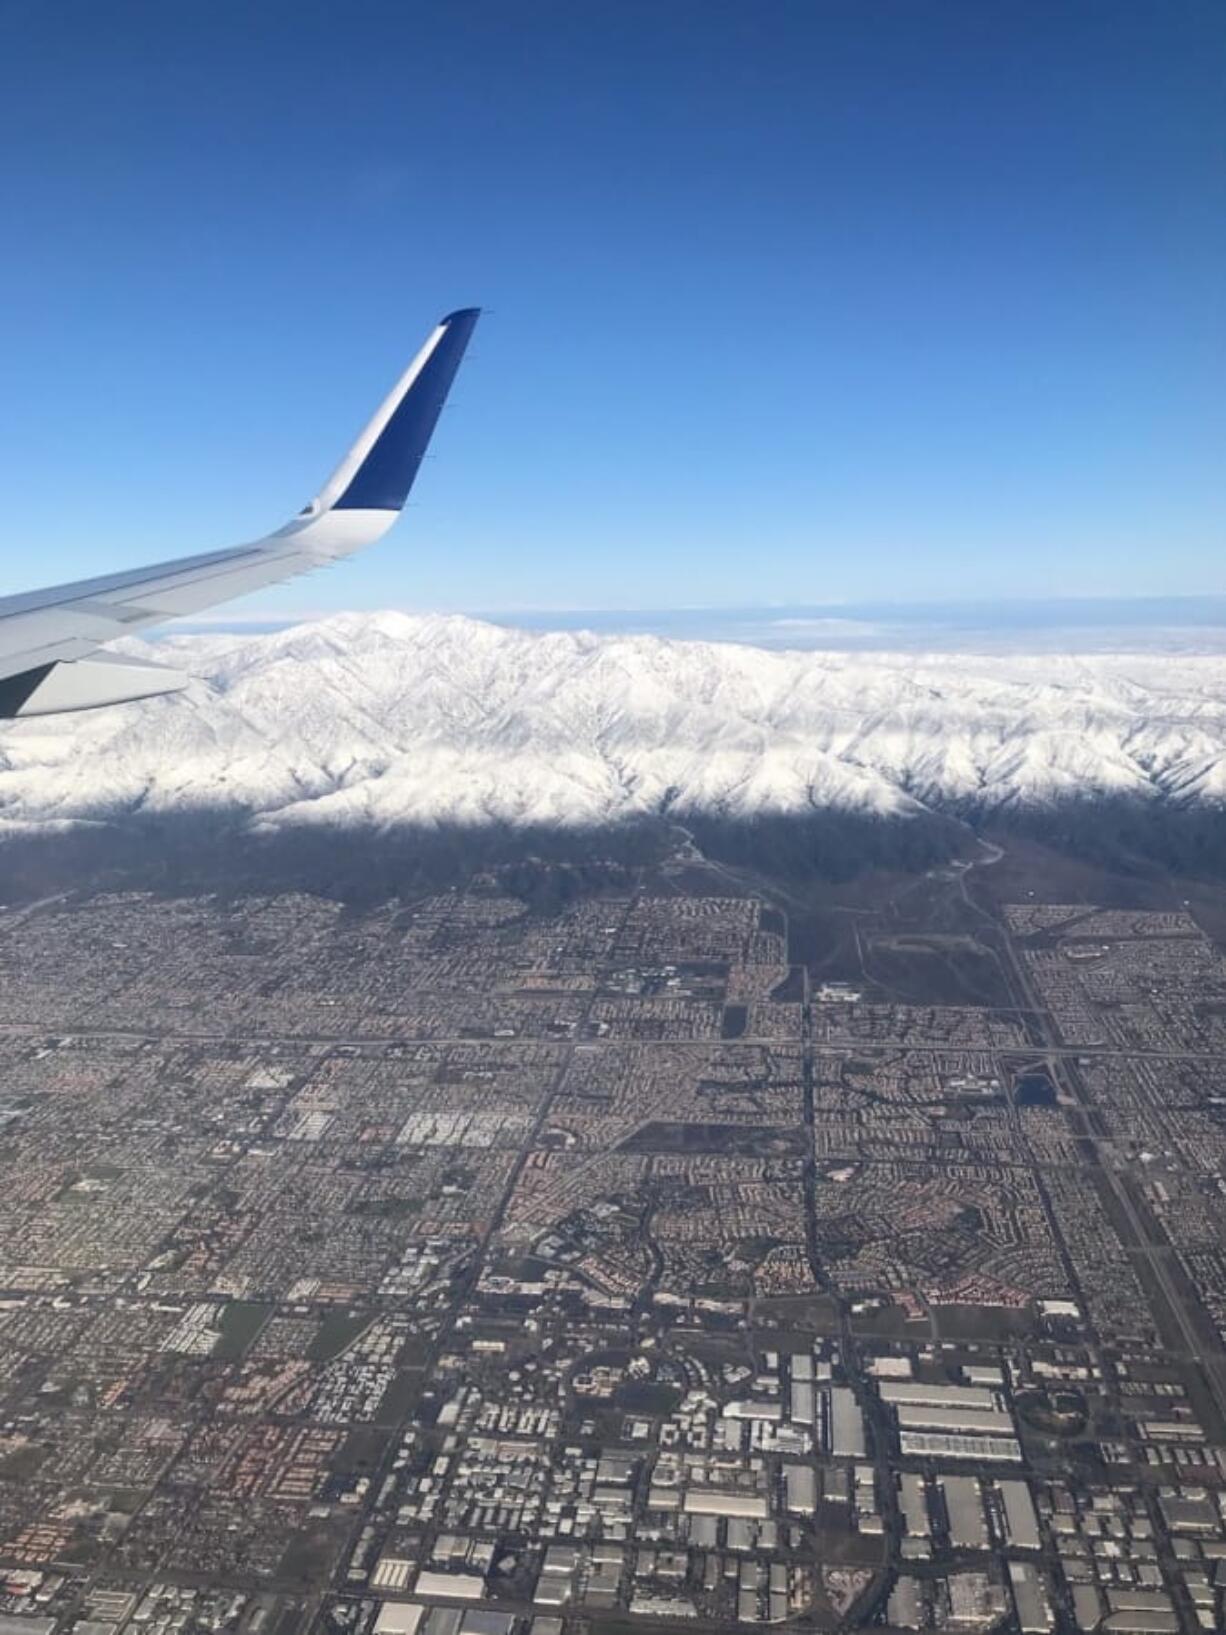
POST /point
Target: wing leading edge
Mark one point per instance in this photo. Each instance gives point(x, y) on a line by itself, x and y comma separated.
point(49, 638)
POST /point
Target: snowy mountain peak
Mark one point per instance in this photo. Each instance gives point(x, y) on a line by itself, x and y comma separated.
point(390, 717)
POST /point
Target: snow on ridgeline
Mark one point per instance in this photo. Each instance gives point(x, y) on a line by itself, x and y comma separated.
point(385, 718)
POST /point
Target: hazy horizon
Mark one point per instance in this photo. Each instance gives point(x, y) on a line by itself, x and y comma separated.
point(1153, 624)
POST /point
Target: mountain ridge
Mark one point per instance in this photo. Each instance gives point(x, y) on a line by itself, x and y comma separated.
point(392, 718)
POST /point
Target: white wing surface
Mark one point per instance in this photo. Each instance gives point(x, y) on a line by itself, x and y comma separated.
point(49, 638)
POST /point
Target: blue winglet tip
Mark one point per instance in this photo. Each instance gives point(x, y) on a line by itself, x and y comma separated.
point(384, 478)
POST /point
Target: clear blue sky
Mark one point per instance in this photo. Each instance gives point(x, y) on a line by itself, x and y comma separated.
point(790, 302)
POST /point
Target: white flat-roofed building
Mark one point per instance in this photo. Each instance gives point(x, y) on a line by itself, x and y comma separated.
point(449, 1586)
point(944, 1445)
point(846, 1424)
point(970, 1421)
point(1059, 1308)
point(802, 1399)
point(1140, 1613)
point(1021, 1522)
point(398, 1618)
point(1171, 1430)
point(551, 1592)
point(1143, 1623)
point(906, 1609)
point(800, 1488)
point(1087, 1606)
point(912, 1502)
point(915, 1393)
point(753, 1409)
point(891, 1368)
point(561, 1558)
point(709, 1501)
point(1034, 1615)
point(968, 1526)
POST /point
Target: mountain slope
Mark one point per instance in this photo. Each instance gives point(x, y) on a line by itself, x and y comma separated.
point(387, 718)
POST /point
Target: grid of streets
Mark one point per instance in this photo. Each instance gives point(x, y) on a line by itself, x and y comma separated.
point(457, 1270)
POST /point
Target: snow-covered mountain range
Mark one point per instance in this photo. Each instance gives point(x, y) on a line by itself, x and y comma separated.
point(387, 718)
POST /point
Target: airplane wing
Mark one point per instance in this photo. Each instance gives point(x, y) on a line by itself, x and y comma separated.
point(49, 638)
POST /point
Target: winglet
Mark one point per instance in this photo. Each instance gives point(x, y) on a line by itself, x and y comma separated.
point(49, 639)
point(378, 471)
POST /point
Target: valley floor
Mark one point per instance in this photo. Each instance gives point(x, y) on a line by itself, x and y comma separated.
point(616, 1240)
